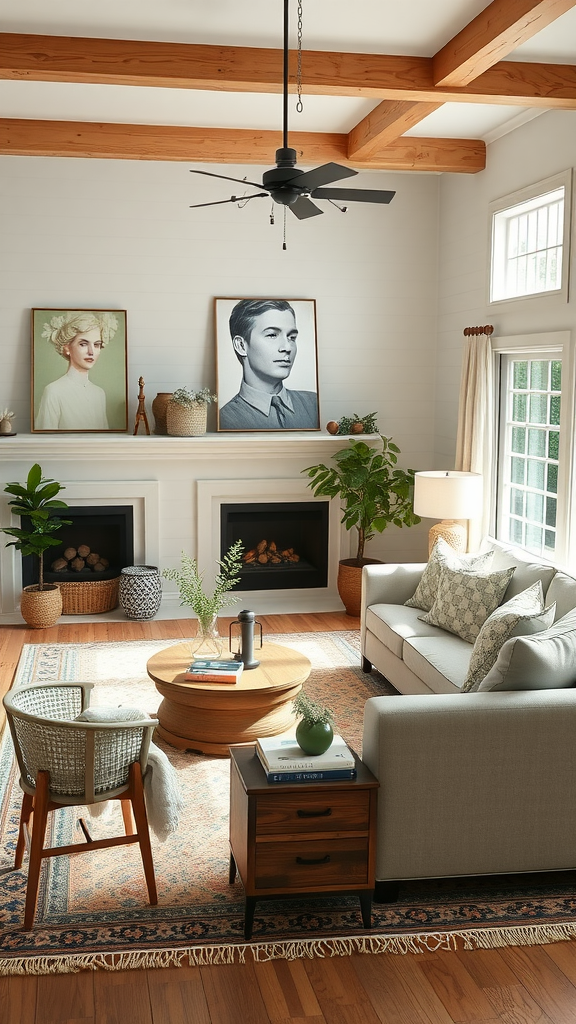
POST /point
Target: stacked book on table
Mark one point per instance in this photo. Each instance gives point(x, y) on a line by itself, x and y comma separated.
point(284, 761)
point(214, 670)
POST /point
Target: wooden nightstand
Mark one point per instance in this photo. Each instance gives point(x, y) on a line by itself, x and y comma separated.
point(309, 837)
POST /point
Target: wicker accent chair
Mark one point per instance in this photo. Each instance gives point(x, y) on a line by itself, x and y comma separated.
point(68, 763)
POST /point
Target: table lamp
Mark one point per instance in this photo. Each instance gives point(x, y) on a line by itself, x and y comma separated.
point(448, 495)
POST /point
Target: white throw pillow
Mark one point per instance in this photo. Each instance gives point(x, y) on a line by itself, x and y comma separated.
point(443, 556)
point(520, 616)
point(466, 599)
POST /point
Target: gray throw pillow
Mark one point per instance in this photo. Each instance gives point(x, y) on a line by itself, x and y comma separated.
point(443, 556)
point(545, 661)
point(466, 599)
point(520, 616)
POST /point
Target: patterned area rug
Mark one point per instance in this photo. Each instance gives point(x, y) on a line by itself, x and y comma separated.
point(92, 909)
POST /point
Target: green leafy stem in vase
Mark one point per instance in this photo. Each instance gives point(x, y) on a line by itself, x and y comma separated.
point(190, 583)
point(312, 711)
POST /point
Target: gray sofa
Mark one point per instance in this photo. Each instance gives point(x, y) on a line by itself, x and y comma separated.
point(472, 783)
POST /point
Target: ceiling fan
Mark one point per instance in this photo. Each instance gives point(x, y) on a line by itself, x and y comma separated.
point(291, 187)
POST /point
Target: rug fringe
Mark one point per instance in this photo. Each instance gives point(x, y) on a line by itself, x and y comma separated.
point(296, 949)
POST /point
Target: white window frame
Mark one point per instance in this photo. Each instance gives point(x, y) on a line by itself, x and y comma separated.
point(524, 195)
point(549, 345)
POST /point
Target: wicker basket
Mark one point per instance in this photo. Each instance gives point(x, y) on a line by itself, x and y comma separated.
point(349, 583)
point(186, 421)
point(89, 597)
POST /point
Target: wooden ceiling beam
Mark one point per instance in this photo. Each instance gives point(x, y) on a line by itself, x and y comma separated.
point(242, 69)
point(387, 122)
point(22, 137)
point(493, 35)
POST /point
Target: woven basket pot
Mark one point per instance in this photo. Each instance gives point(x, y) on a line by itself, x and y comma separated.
point(140, 591)
point(41, 608)
point(349, 583)
point(186, 421)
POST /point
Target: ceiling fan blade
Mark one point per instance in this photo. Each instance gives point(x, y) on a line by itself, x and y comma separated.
point(233, 199)
point(323, 175)
point(354, 195)
point(241, 181)
point(303, 208)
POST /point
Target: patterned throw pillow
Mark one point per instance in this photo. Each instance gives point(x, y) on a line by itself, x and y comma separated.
point(443, 556)
point(466, 599)
point(520, 616)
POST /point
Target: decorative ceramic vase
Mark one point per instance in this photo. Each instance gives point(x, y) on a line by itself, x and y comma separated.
point(6, 425)
point(314, 737)
point(159, 407)
point(186, 421)
point(140, 591)
point(41, 608)
point(207, 643)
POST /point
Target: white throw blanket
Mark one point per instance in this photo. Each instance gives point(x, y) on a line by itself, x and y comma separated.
point(162, 792)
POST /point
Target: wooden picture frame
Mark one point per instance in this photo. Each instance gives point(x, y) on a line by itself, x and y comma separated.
point(79, 381)
point(266, 364)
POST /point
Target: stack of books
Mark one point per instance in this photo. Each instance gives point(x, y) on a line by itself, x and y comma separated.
point(284, 761)
point(214, 670)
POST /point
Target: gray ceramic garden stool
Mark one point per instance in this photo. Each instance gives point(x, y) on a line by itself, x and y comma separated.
point(140, 591)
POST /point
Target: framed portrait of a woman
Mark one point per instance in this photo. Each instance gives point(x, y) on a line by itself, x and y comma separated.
point(266, 364)
point(79, 371)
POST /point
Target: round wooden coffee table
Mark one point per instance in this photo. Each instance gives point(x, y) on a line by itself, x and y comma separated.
point(208, 717)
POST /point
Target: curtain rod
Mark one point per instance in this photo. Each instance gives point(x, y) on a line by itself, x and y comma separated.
point(475, 331)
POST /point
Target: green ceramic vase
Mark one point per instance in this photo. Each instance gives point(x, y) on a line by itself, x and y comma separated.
point(314, 738)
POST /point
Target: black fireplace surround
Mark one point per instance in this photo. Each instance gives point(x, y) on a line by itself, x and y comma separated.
point(106, 529)
point(301, 525)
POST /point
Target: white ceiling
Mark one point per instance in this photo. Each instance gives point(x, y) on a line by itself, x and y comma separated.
point(416, 27)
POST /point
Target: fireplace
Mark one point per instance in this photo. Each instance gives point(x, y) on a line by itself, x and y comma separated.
point(287, 543)
point(107, 530)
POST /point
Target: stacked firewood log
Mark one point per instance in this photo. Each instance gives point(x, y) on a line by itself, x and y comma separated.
point(269, 554)
point(77, 559)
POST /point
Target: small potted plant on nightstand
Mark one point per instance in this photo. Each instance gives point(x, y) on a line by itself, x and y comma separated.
point(314, 732)
point(187, 412)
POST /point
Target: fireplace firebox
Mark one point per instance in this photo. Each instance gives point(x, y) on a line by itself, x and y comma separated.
point(285, 543)
point(107, 530)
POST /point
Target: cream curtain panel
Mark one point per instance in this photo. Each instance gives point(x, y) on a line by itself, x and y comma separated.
point(475, 441)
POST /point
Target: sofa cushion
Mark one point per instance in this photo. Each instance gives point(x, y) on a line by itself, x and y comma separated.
point(392, 624)
point(442, 555)
point(562, 591)
point(437, 658)
point(527, 571)
point(466, 599)
point(544, 661)
point(522, 615)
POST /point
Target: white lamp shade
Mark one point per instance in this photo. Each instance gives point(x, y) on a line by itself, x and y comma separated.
point(441, 494)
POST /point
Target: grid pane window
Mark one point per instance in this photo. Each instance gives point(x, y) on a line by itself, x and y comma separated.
point(527, 247)
point(528, 495)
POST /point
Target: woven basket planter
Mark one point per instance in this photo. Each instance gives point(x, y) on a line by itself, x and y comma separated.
point(349, 583)
point(140, 591)
point(41, 608)
point(186, 421)
point(89, 597)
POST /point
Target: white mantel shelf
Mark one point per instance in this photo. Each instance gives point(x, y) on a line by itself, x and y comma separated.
point(144, 448)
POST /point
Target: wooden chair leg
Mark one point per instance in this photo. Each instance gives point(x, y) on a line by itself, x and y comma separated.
point(141, 819)
point(25, 813)
point(36, 846)
point(127, 817)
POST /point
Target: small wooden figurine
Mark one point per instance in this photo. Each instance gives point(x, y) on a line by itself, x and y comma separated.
point(141, 416)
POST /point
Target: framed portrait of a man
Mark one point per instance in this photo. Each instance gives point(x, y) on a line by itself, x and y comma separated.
point(266, 364)
point(79, 371)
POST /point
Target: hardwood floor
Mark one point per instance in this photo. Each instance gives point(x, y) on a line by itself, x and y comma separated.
point(514, 985)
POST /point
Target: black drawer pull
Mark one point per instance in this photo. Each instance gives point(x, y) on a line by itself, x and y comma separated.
point(314, 814)
point(312, 860)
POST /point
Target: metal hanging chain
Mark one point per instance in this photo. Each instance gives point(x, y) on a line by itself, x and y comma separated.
point(299, 104)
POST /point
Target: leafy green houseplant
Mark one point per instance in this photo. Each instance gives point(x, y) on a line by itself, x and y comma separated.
point(374, 494)
point(190, 582)
point(314, 732)
point(35, 502)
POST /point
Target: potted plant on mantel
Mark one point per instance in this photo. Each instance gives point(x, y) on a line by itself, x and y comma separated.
point(208, 643)
point(187, 412)
point(40, 603)
point(374, 494)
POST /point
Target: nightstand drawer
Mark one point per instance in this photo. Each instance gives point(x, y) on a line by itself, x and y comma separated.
point(337, 810)
point(315, 863)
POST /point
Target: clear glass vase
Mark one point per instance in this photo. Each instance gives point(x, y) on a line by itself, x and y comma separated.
point(207, 643)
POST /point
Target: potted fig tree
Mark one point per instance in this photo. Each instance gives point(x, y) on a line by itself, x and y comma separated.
point(374, 495)
point(35, 502)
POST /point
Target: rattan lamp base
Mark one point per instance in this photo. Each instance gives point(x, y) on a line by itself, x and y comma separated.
point(452, 532)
